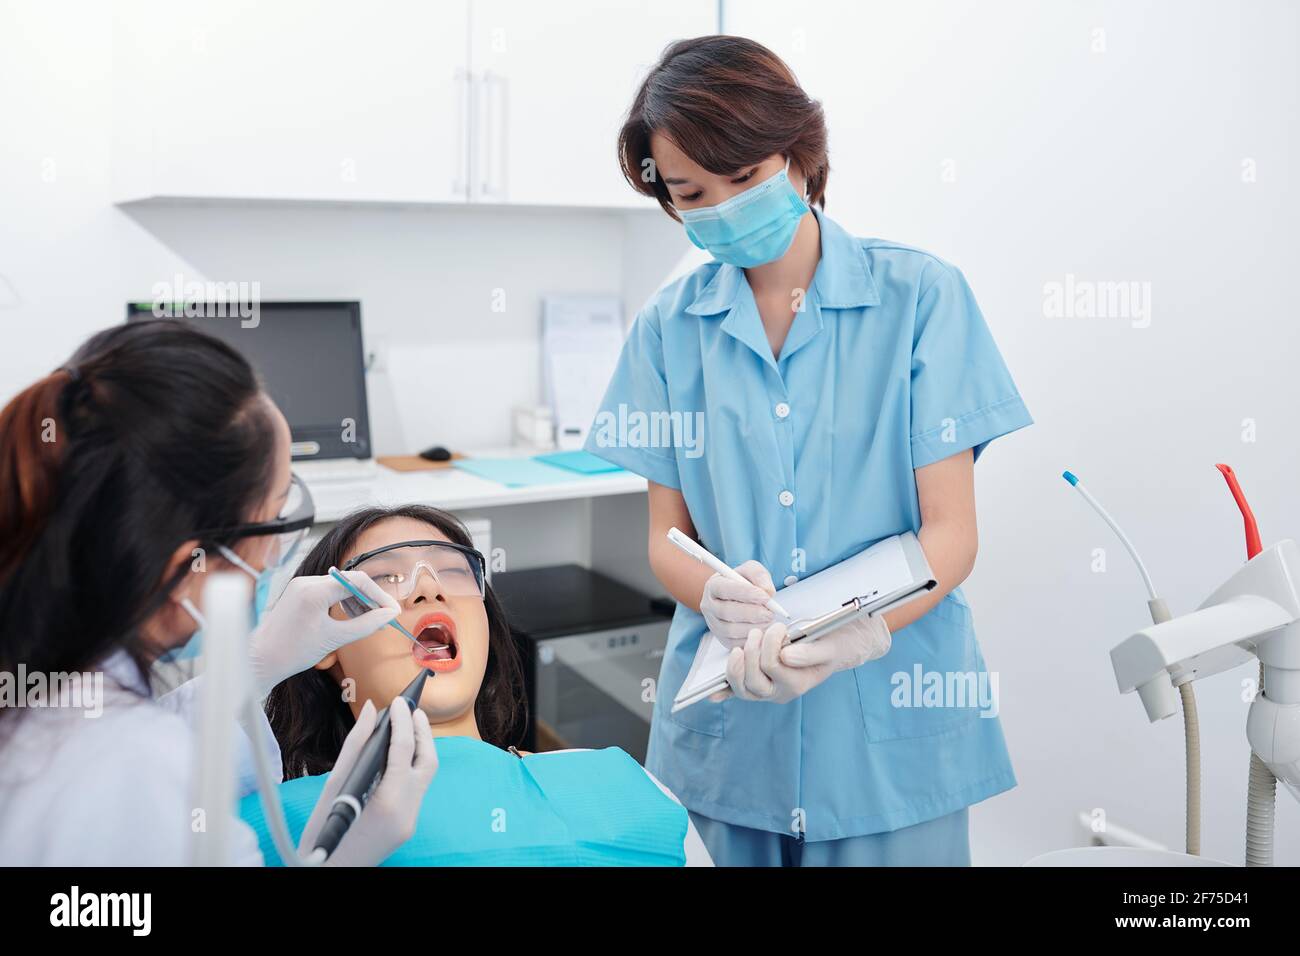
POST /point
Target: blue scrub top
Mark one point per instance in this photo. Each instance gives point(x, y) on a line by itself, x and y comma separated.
point(800, 463)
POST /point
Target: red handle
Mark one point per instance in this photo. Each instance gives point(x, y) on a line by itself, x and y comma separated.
point(1253, 546)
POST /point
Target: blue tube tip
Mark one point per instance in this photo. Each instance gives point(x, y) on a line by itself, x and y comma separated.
point(1069, 476)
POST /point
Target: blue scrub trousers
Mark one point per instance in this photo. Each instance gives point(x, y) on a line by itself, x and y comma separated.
point(943, 841)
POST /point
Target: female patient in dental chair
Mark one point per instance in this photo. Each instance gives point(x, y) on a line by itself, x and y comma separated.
point(488, 805)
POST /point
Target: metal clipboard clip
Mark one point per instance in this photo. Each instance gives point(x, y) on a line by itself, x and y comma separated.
point(815, 627)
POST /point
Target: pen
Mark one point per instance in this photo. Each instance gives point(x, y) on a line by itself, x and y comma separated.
point(694, 549)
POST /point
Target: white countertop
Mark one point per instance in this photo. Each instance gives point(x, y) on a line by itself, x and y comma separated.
point(455, 490)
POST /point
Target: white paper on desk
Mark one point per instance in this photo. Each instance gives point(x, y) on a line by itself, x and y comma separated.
point(882, 568)
point(582, 337)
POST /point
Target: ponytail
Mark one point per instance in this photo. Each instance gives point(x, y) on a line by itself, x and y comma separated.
point(31, 436)
point(153, 431)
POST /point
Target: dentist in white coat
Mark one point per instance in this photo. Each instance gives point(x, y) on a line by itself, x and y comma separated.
point(151, 458)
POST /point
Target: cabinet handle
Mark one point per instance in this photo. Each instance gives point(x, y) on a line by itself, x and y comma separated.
point(503, 119)
point(492, 164)
point(482, 135)
point(460, 182)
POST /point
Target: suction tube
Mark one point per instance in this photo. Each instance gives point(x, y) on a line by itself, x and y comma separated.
point(1261, 790)
point(226, 705)
point(1261, 809)
point(1192, 735)
point(1159, 611)
point(269, 795)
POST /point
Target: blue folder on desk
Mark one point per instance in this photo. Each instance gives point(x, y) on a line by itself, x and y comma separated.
point(583, 462)
point(523, 472)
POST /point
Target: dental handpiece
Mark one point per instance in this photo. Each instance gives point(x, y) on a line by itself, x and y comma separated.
point(365, 774)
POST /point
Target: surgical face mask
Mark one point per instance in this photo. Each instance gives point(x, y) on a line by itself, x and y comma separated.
point(261, 581)
point(193, 645)
point(751, 228)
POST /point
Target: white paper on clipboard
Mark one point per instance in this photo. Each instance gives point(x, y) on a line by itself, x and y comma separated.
point(892, 566)
point(582, 338)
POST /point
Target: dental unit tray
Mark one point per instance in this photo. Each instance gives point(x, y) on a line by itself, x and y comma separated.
point(890, 573)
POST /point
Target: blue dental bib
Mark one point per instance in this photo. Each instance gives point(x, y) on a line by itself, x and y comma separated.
point(487, 807)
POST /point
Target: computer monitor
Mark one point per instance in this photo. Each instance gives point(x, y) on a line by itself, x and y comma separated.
point(310, 359)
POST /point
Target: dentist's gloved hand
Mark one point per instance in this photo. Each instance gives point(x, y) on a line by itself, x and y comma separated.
point(771, 670)
point(298, 631)
point(388, 819)
point(731, 609)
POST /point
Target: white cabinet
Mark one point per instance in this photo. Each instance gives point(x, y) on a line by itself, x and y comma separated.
point(553, 82)
point(295, 99)
point(385, 101)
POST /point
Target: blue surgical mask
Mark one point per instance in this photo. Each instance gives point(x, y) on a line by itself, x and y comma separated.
point(751, 228)
point(193, 646)
point(261, 581)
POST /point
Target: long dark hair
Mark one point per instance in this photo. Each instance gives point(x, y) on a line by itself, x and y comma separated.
point(727, 102)
point(153, 430)
point(307, 711)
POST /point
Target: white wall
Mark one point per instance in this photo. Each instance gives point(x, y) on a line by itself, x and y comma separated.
point(427, 276)
point(1117, 165)
point(449, 367)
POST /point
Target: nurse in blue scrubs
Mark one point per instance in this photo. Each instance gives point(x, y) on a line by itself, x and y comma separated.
point(798, 399)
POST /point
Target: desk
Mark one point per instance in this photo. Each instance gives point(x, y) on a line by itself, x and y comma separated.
point(454, 490)
point(598, 521)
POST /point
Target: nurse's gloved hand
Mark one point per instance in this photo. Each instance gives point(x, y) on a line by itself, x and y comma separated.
point(849, 645)
point(389, 817)
point(731, 609)
point(769, 669)
point(298, 631)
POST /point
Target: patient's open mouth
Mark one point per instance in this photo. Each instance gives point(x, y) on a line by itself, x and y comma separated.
point(436, 634)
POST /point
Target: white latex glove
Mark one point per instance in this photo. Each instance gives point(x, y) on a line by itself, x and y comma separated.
point(731, 609)
point(388, 818)
point(298, 631)
point(769, 669)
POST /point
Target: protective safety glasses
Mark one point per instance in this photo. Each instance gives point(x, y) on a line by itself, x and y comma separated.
point(456, 570)
point(289, 528)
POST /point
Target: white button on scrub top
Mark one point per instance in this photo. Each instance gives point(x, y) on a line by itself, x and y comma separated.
point(791, 579)
point(782, 410)
point(786, 498)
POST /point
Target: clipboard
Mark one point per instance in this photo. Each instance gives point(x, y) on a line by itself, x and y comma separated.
point(876, 580)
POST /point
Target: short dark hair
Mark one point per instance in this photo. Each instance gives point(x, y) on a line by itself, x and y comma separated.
point(307, 712)
point(727, 102)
